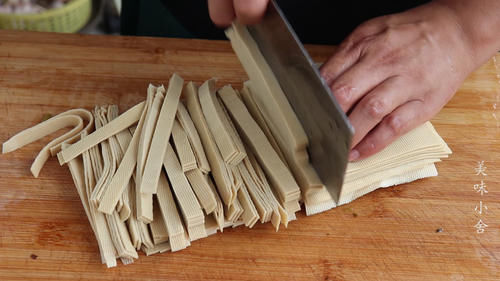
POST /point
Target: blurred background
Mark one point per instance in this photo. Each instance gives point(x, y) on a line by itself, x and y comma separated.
point(114, 17)
point(148, 18)
point(68, 16)
point(312, 20)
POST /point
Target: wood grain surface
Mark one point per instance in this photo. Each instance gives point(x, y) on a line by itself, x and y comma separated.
point(418, 231)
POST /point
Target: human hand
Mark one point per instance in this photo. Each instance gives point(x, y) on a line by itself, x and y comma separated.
point(395, 72)
point(223, 12)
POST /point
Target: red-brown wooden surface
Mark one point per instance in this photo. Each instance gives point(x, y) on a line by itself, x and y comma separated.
point(389, 234)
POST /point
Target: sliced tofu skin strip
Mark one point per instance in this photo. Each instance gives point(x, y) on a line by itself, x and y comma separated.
point(124, 172)
point(194, 138)
point(183, 148)
point(152, 169)
point(231, 150)
point(157, 226)
point(41, 130)
point(280, 176)
point(85, 115)
point(280, 117)
point(188, 203)
point(217, 165)
point(124, 121)
point(254, 110)
point(202, 189)
point(173, 222)
point(103, 237)
point(148, 131)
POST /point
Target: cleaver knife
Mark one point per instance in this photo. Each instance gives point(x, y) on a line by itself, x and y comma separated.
point(324, 122)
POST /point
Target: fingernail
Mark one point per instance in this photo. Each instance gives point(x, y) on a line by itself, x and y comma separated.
point(353, 155)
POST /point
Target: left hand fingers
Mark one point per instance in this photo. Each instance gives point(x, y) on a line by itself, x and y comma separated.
point(250, 11)
point(349, 51)
point(394, 125)
point(221, 12)
point(377, 104)
point(357, 81)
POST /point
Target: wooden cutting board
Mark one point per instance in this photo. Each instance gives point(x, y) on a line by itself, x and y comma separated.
point(418, 231)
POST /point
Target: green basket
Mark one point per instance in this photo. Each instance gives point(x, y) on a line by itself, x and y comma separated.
point(70, 18)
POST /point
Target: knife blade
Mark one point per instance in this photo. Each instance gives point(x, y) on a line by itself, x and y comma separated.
point(324, 122)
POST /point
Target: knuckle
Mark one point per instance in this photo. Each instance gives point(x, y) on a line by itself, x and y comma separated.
point(342, 94)
point(371, 26)
point(359, 33)
point(365, 43)
point(394, 124)
point(391, 34)
point(390, 39)
point(376, 108)
point(368, 148)
point(327, 70)
point(358, 41)
point(347, 44)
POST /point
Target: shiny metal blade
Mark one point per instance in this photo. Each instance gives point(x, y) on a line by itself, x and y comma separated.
point(324, 122)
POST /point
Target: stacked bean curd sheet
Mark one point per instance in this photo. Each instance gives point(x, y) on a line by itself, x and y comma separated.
point(191, 160)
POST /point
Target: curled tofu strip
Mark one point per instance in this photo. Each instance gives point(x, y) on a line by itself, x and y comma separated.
point(217, 165)
point(61, 121)
point(193, 137)
point(230, 147)
point(44, 154)
point(48, 127)
point(152, 169)
point(85, 115)
point(280, 176)
point(124, 121)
